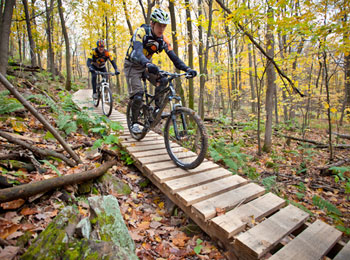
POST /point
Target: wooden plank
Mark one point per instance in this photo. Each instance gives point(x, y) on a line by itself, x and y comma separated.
point(228, 200)
point(263, 237)
point(144, 142)
point(205, 191)
point(153, 167)
point(236, 220)
point(163, 176)
point(152, 153)
point(132, 149)
point(344, 253)
point(154, 159)
point(313, 243)
point(196, 179)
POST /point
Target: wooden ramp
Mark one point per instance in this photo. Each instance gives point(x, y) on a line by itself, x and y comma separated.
point(248, 222)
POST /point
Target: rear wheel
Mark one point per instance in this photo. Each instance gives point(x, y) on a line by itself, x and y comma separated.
point(141, 122)
point(186, 138)
point(107, 101)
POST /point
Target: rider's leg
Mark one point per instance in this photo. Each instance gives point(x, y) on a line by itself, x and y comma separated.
point(136, 106)
point(93, 81)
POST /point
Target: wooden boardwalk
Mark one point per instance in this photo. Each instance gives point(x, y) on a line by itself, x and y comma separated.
point(248, 222)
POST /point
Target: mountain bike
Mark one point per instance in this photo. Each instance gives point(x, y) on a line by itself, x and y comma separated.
point(104, 93)
point(185, 135)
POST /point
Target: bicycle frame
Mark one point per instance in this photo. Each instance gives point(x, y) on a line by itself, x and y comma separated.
point(169, 97)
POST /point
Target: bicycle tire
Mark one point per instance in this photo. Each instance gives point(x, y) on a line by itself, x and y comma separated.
point(107, 101)
point(130, 123)
point(188, 151)
point(97, 101)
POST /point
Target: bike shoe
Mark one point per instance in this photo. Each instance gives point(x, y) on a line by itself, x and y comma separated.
point(95, 96)
point(136, 129)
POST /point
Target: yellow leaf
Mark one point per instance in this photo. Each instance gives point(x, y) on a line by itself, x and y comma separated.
point(326, 105)
point(333, 110)
point(161, 205)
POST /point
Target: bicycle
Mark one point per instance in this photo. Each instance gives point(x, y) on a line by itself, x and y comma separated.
point(104, 93)
point(185, 135)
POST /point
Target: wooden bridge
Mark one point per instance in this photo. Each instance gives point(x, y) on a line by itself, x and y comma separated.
point(248, 222)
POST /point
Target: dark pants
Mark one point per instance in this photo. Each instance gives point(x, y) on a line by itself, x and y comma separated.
point(94, 77)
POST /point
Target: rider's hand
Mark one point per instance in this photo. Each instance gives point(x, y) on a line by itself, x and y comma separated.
point(152, 68)
point(91, 69)
point(117, 72)
point(192, 72)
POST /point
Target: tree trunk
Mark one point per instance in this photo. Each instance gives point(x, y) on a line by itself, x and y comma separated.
point(201, 63)
point(346, 40)
point(190, 54)
point(5, 29)
point(178, 86)
point(30, 36)
point(271, 78)
point(131, 31)
point(66, 39)
point(251, 80)
point(50, 54)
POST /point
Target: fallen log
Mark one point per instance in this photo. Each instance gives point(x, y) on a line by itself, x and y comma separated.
point(342, 135)
point(318, 144)
point(324, 170)
point(30, 189)
point(40, 117)
point(43, 152)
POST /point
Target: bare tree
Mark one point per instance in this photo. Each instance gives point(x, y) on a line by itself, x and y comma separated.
point(30, 36)
point(190, 53)
point(66, 39)
point(51, 56)
point(131, 31)
point(179, 89)
point(271, 78)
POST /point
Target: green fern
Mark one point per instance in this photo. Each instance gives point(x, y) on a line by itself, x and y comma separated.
point(44, 100)
point(8, 105)
point(269, 182)
point(321, 203)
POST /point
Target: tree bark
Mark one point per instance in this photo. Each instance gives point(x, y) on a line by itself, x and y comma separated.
point(131, 31)
point(30, 189)
point(271, 78)
point(5, 29)
point(66, 39)
point(40, 117)
point(50, 58)
point(178, 86)
point(30, 36)
point(190, 54)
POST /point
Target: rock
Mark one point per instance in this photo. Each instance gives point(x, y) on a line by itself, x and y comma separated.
point(108, 183)
point(70, 236)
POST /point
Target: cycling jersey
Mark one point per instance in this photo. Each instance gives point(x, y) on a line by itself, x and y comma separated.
point(144, 44)
point(99, 59)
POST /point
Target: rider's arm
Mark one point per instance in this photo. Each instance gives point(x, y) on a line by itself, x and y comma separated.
point(88, 62)
point(110, 57)
point(137, 54)
point(178, 63)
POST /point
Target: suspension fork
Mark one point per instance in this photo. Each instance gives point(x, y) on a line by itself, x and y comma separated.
point(173, 118)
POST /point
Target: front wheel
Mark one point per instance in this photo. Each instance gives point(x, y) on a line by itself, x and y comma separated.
point(186, 138)
point(107, 101)
point(141, 122)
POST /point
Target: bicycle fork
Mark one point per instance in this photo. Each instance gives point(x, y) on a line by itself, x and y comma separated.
point(183, 121)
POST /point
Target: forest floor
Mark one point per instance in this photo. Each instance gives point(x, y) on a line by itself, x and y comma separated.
point(160, 229)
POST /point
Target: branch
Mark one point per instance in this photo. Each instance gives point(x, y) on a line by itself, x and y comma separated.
point(43, 152)
point(40, 117)
point(251, 38)
point(30, 189)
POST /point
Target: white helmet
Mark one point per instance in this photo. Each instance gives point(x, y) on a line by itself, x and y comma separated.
point(159, 16)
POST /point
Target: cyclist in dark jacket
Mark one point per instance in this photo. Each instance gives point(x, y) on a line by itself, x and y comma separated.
point(97, 62)
point(146, 41)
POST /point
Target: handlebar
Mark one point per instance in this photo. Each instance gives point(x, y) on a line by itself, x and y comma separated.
point(104, 73)
point(171, 76)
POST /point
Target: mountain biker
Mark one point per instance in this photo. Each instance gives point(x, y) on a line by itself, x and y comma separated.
point(147, 40)
point(97, 62)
